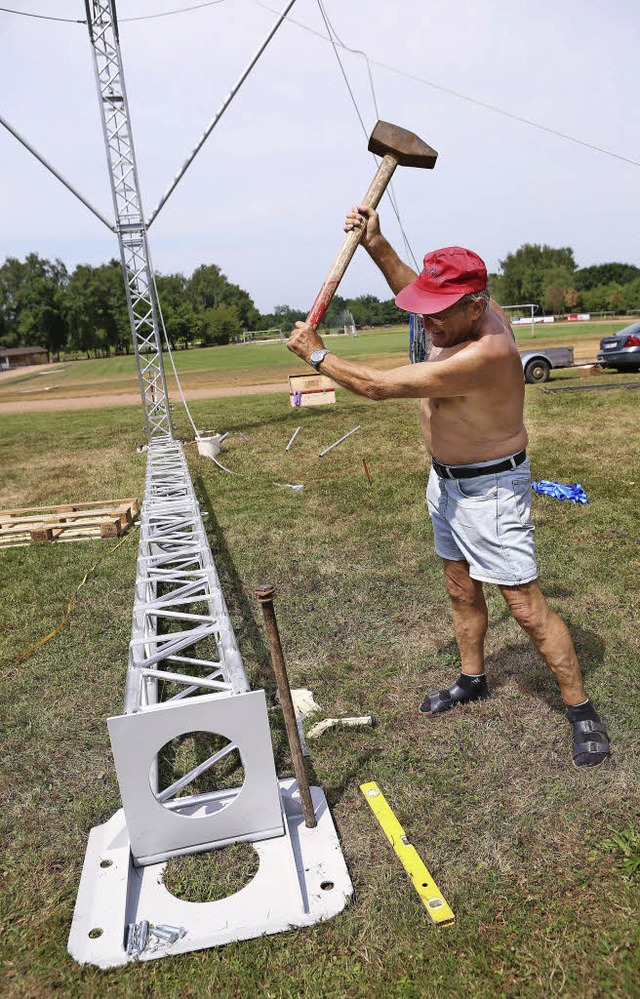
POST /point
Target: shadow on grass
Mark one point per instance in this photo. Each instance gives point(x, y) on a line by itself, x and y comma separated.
point(235, 596)
point(340, 779)
point(249, 634)
point(523, 664)
point(520, 662)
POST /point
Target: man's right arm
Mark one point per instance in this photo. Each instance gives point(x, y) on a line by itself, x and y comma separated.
point(397, 274)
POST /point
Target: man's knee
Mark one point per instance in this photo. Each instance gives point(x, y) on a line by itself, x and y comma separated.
point(461, 588)
point(529, 607)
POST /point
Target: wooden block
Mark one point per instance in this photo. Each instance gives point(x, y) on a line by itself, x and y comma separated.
point(42, 534)
point(110, 529)
point(125, 515)
point(310, 383)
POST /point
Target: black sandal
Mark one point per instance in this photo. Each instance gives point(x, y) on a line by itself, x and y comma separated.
point(471, 689)
point(590, 743)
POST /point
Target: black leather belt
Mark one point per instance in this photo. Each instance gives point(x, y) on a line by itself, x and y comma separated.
point(471, 471)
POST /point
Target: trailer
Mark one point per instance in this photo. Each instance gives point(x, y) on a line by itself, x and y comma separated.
point(537, 364)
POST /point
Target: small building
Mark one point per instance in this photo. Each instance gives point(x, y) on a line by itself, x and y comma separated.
point(20, 357)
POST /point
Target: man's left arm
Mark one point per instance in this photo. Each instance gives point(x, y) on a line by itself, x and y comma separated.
point(467, 367)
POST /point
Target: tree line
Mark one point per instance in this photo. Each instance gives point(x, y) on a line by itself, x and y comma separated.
point(85, 311)
point(548, 278)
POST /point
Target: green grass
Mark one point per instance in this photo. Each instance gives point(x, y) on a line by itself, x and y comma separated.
point(518, 840)
point(260, 363)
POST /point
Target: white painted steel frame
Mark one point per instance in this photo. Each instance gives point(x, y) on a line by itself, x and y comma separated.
point(175, 567)
point(130, 226)
point(182, 635)
point(302, 879)
point(176, 572)
point(162, 826)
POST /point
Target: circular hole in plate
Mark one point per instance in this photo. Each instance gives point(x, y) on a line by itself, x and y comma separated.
point(327, 885)
point(106, 863)
point(212, 767)
point(211, 876)
point(96, 932)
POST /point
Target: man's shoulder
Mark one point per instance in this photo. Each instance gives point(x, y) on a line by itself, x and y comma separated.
point(498, 312)
point(496, 334)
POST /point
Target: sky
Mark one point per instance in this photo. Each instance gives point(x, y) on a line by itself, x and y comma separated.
point(265, 198)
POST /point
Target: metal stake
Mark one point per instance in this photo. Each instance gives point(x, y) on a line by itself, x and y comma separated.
point(297, 431)
point(331, 446)
point(265, 595)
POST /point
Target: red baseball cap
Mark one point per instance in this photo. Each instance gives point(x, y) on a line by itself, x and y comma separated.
point(447, 275)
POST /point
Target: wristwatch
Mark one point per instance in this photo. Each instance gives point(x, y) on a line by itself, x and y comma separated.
point(318, 357)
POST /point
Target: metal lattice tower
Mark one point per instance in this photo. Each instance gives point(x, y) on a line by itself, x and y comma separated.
point(130, 225)
point(182, 637)
point(181, 625)
point(185, 676)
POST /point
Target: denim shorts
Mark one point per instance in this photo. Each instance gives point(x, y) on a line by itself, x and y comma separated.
point(486, 521)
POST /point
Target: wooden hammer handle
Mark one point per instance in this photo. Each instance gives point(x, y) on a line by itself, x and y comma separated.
point(371, 200)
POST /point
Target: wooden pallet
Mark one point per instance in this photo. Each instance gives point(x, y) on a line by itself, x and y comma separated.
point(67, 522)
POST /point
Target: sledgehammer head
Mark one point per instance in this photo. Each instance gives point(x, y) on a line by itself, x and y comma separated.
point(404, 146)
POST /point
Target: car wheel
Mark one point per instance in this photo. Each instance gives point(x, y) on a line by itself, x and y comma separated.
point(537, 371)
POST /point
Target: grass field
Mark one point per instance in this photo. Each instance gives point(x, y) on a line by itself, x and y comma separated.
point(259, 363)
point(536, 859)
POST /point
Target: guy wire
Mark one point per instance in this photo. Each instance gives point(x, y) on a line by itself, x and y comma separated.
point(390, 191)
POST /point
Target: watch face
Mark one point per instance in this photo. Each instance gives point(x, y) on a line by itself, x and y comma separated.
point(318, 356)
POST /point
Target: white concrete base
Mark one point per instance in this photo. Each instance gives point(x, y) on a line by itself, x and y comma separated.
point(302, 879)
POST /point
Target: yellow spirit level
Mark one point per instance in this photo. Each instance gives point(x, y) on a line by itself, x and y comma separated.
point(433, 899)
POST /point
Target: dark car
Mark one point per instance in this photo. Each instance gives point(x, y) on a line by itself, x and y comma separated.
point(622, 350)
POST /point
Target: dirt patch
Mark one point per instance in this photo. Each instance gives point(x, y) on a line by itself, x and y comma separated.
point(131, 399)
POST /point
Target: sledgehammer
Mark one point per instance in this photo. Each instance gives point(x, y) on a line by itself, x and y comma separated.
point(396, 146)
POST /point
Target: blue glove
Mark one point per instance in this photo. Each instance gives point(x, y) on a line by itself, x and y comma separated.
point(575, 493)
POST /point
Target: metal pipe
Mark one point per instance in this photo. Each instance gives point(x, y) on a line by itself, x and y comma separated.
point(212, 124)
point(265, 595)
point(297, 431)
point(331, 446)
point(176, 804)
point(169, 792)
point(162, 674)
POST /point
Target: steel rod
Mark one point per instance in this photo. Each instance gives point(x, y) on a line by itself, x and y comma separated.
point(169, 792)
point(265, 595)
point(190, 681)
point(34, 152)
point(331, 446)
point(296, 432)
point(176, 804)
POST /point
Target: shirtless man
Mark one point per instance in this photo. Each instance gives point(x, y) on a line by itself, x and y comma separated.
point(471, 391)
